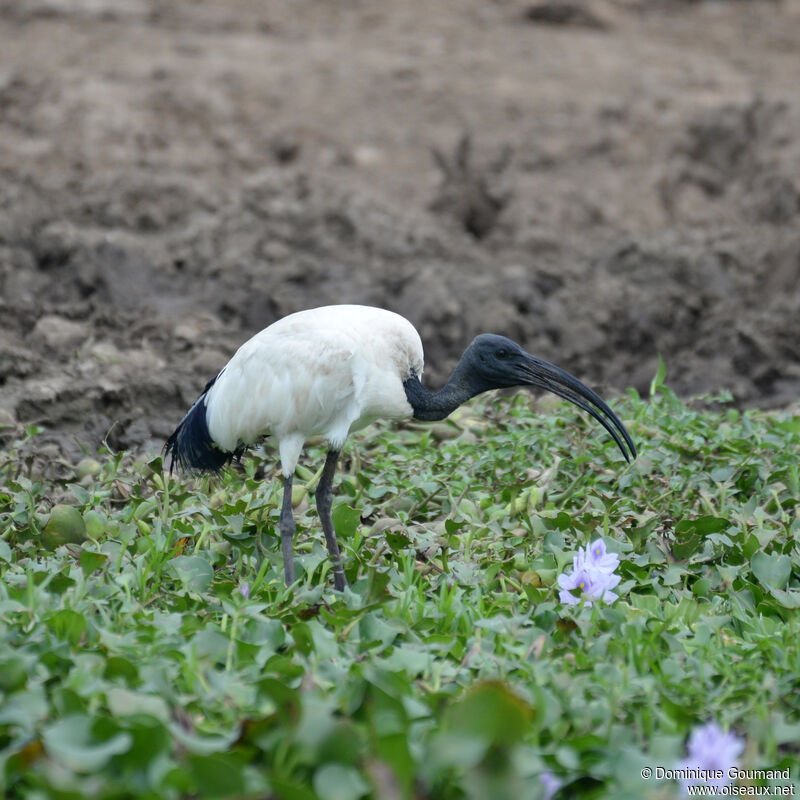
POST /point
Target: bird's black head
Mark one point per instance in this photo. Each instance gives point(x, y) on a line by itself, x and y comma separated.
point(495, 362)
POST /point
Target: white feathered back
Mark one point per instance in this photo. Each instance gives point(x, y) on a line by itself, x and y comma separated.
point(321, 372)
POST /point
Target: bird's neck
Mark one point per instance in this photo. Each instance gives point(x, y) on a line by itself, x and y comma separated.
point(433, 406)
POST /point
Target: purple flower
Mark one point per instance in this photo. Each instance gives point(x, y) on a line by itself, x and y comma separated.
point(595, 555)
point(592, 576)
point(550, 784)
point(245, 590)
point(590, 584)
point(711, 754)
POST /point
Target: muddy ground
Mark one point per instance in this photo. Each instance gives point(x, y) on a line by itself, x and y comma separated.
point(602, 181)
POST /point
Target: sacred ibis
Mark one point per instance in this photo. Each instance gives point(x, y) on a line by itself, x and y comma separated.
point(328, 371)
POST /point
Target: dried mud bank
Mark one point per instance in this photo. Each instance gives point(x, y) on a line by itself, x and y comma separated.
point(173, 177)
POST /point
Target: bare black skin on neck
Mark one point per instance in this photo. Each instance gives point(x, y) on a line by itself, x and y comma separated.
point(495, 362)
point(432, 406)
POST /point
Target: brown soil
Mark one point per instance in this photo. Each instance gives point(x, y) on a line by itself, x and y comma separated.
point(602, 181)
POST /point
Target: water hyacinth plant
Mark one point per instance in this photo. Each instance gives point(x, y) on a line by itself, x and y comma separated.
point(133, 663)
point(550, 785)
point(711, 754)
point(593, 576)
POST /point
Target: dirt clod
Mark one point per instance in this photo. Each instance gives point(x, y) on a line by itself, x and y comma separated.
point(560, 12)
point(468, 193)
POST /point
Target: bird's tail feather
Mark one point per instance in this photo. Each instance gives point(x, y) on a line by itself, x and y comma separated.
point(191, 445)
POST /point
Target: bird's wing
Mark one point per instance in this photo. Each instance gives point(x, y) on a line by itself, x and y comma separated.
point(303, 381)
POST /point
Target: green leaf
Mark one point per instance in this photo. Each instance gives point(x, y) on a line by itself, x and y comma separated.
point(345, 520)
point(492, 712)
point(123, 702)
point(13, 673)
point(344, 744)
point(287, 789)
point(91, 561)
point(701, 587)
point(70, 742)
point(203, 745)
point(96, 523)
point(702, 526)
point(689, 534)
point(208, 643)
point(118, 667)
point(338, 782)
point(453, 527)
point(5, 551)
point(721, 474)
point(194, 572)
point(217, 775)
point(658, 379)
point(772, 570)
point(64, 526)
point(68, 625)
point(791, 425)
point(786, 598)
point(686, 545)
point(378, 581)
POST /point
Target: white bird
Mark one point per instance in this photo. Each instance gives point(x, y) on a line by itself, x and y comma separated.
point(332, 370)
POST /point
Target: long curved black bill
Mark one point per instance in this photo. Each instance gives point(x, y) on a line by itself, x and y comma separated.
point(545, 375)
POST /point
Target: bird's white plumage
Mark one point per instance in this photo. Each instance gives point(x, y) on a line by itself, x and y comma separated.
point(322, 372)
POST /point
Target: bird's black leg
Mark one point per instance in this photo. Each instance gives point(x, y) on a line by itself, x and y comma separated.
point(324, 502)
point(287, 531)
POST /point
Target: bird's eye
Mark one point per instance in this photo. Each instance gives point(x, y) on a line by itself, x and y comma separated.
point(501, 353)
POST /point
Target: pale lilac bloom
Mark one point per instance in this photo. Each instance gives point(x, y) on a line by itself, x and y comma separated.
point(245, 590)
point(591, 584)
point(550, 784)
point(597, 556)
point(711, 754)
point(592, 576)
point(579, 580)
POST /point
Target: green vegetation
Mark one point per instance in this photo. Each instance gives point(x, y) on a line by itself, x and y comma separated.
point(150, 650)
